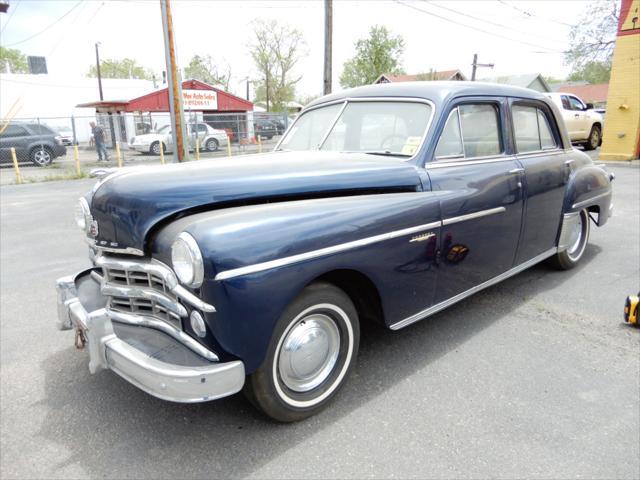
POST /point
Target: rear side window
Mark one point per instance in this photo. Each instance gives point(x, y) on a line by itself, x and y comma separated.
point(532, 130)
point(471, 131)
point(14, 131)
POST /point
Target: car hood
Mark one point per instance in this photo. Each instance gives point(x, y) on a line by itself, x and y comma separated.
point(148, 137)
point(129, 204)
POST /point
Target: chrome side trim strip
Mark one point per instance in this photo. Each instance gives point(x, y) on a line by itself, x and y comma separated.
point(301, 257)
point(476, 161)
point(471, 216)
point(123, 251)
point(586, 202)
point(540, 153)
point(461, 296)
point(149, 322)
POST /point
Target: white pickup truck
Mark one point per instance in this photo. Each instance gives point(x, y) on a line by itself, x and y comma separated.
point(583, 122)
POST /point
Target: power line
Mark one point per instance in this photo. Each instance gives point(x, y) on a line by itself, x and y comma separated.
point(46, 28)
point(550, 50)
point(530, 15)
point(501, 25)
point(13, 10)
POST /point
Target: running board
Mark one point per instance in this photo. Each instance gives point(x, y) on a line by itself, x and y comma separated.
point(461, 296)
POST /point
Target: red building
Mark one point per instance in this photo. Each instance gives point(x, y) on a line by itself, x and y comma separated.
point(202, 102)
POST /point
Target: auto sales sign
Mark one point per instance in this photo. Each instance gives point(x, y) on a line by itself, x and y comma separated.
point(200, 99)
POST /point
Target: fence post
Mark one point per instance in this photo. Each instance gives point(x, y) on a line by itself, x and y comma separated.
point(197, 149)
point(76, 157)
point(73, 128)
point(118, 156)
point(228, 146)
point(259, 143)
point(161, 154)
point(15, 166)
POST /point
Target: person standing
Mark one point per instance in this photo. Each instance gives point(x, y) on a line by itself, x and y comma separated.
point(100, 140)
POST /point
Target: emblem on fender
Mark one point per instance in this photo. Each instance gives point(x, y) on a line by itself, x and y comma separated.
point(423, 237)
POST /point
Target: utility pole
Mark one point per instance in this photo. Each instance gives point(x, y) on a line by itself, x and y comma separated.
point(174, 84)
point(475, 66)
point(98, 72)
point(247, 88)
point(328, 44)
point(267, 89)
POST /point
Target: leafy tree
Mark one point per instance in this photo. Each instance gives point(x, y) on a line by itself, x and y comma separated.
point(276, 50)
point(593, 38)
point(592, 72)
point(15, 58)
point(125, 68)
point(378, 54)
point(208, 71)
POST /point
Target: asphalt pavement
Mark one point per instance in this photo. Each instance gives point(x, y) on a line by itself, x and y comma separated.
point(536, 377)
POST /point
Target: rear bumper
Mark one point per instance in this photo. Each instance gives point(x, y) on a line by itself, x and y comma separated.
point(147, 358)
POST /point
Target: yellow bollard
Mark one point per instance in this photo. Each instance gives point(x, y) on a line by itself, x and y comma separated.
point(76, 157)
point(197, 149)
point(228, 146)
point(15, 166)
point(259, 144)
point(161, 154)
point(118, 156)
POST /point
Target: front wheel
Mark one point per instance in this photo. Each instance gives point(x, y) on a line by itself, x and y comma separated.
point(578, 240)
point(212, 145)
point(156, 146)
point(594, 139)
point(312, 352)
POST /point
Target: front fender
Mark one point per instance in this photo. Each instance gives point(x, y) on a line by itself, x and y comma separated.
point(589, 187)
point(249, 304)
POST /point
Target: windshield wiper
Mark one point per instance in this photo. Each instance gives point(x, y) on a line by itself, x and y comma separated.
point(386, 153)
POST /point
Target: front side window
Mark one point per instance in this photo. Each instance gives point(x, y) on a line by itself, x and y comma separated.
point(391, 128)
point(471, 131)
point(532, 130)
point(14, 131)
point(576, 104)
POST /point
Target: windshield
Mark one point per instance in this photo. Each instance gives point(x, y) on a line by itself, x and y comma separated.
point(392, 128)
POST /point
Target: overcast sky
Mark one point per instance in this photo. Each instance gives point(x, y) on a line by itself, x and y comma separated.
point(517, 36)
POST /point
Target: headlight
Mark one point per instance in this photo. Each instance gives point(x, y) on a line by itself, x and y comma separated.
point(187, 260)
point(82, 213)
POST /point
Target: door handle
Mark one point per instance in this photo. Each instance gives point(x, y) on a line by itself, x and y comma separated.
point(577, 115)
point(516, 170)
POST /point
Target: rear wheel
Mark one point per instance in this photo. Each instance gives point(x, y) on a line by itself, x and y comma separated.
point(41, 156)
point(312, 352)
point(594, 138)
point(578, 239)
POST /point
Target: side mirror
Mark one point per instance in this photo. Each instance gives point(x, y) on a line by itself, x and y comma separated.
point(589, 106)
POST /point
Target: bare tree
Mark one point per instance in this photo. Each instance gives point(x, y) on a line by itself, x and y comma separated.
point(594, 36)
point(276, 50)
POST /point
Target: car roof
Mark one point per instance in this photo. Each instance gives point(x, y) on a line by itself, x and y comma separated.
point(436, 91)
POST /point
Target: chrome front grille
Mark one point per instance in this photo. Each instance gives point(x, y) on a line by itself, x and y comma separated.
point(146, 293)
point(133, 287)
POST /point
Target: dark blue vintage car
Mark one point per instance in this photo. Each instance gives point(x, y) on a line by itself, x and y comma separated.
point(384, 203)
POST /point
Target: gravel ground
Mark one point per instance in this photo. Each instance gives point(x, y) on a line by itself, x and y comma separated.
point(534, 378)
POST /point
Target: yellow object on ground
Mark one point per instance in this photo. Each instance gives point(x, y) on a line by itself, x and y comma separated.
point(631, 309)
point(621, 136)
point(15, 166)
point(76, 157)
point(118, 156)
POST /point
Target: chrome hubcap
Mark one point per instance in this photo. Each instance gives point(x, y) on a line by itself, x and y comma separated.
point(309, 352)
point(577, 237)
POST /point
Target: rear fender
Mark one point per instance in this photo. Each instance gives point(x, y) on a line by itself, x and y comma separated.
point(589, 187)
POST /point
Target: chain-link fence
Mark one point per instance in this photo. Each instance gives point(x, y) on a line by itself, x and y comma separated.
point(69, 147)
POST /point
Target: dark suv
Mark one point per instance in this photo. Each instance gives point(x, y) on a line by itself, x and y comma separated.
point(36, 143)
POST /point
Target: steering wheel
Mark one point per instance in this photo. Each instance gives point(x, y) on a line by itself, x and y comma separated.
point(390, 138)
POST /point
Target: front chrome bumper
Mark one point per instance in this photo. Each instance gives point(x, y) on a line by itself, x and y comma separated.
point(142, 355)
